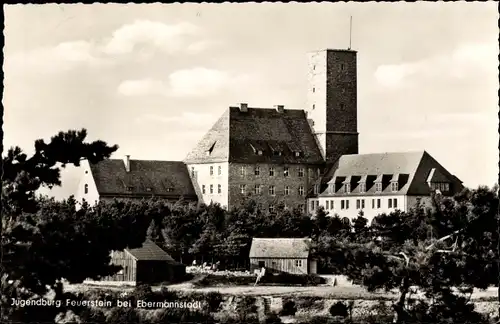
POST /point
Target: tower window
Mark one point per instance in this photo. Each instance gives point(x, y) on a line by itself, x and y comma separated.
point(342, 106)
point(342, 66)
point(314, 89)
point(314, 106)
point(287, 190)
point(243, 188)
point(314, 67)
point(272, 190)
point(285, 172)
point(86, 188)
point(257, 170)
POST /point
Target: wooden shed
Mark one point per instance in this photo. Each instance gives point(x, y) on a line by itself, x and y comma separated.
point(290, 255)
point(148, 264)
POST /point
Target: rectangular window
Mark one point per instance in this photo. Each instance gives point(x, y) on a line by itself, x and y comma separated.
point(331, 204)
point(347, 188)
point(390, 203)
point(219, 189)
point(257, 189)
point(394, 186)
point(373, 203)
point(342, 204)
point(192, 172)
point(362, 204)
point(317, 203)
point(211, 189)
point(347, 204)
point(300, 172)
point(378, 187)
point(271, 171)
point(272, 190)
point(203, 189)
point(362, 187)
point(378, 203)
point(285, 172)
point(316, 189)
point(86, 189)
point(395, 203)
point(257, 170)
point(243, 188)
point(446, 187)
point(327, 205)
point(302, 207)
point(358, 204)
point(211, 170)
point(243, 171)
point(301, 191)
point(312, 205)
point(298, 263)
point(311, 173)
point(287, 190)
point(331, 188)
point(271, 208)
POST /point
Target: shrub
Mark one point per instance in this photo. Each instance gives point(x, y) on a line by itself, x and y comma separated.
point(214, 300)
point(120, 315)
point(310, 302)
point(289, 308)
point(273, 318)
point(339, 309)
point(92, 315)
point(166, 295)
point(322, 320)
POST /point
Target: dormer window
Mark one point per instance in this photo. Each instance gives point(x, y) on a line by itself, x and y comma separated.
point(316, 189)
point(441, 186)
point(362, 187)
point(394, 186)
point(378, 187)
point(347, 188)
point(277, 153)
point(331, 188)
point(170, 189)
point(298, 154)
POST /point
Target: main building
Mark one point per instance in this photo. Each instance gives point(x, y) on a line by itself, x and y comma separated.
point(299, 158)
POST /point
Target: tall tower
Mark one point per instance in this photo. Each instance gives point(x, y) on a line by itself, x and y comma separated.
point(332, 102)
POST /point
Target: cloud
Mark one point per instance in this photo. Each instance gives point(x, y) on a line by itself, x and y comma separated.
point(63, 57)
point(169, 38)
point(468, 59)
point(186, 118)
point(197, 81)
point(141, 38)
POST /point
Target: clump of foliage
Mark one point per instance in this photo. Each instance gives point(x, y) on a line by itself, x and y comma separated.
point(289, 308)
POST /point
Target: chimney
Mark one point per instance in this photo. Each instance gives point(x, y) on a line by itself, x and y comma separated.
point(280, 108)
point(243, 107)
point(127, 163)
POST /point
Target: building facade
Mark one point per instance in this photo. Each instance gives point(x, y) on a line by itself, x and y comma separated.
point(299, 158)
point(290, 255)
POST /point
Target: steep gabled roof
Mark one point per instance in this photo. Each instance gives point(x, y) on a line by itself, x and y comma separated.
point(169, 179)
point(149, 251)
point(259, 135)
point(298, 248)
point(410, 168)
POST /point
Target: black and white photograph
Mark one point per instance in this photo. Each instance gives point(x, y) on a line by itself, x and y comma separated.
point(223, 163)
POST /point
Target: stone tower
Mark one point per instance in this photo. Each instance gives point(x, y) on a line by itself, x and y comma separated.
point(332, 102)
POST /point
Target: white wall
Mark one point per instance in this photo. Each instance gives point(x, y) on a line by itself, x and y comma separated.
point(86, 178)
point(352, 212)
point(202, 177)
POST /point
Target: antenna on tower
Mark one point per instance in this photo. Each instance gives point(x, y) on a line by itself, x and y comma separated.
point(350, 33)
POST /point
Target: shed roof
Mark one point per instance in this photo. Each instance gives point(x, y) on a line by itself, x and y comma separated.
point(297, 248)
point(149, 251)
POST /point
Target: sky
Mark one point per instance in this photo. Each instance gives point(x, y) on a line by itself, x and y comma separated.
point(153, 78)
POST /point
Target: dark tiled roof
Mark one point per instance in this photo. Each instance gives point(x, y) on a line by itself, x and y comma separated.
point(169, 179)
point(411, 169)
point(259, 135)
point(149, 251)
point(280, 248)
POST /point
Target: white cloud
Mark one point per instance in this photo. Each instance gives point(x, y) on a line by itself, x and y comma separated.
point(141, 38)
point(142, 87)
point(186, 118)
point(472, 58)
point(62, 57)
point(185, 83)
point(169, 38)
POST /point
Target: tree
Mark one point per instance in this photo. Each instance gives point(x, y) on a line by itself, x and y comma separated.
point(402, 254)
point(45, 241)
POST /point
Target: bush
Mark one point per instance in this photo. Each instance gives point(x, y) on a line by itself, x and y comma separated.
point(293, 279)
point(214, 300)
point(92, 315)
point(339, 309)
point(289, 308)
point(166, 295)
point(310, 302)
point(120, 315)
point(273, 318)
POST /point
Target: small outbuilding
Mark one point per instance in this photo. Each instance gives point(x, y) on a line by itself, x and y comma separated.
point(291, 255)
point(148, 264)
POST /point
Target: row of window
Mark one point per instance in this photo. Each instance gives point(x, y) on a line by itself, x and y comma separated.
point(204, 189)
point(362, 187)
point(360, 204)
point(272, 171)
point(257, 189)
point(441, 186)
